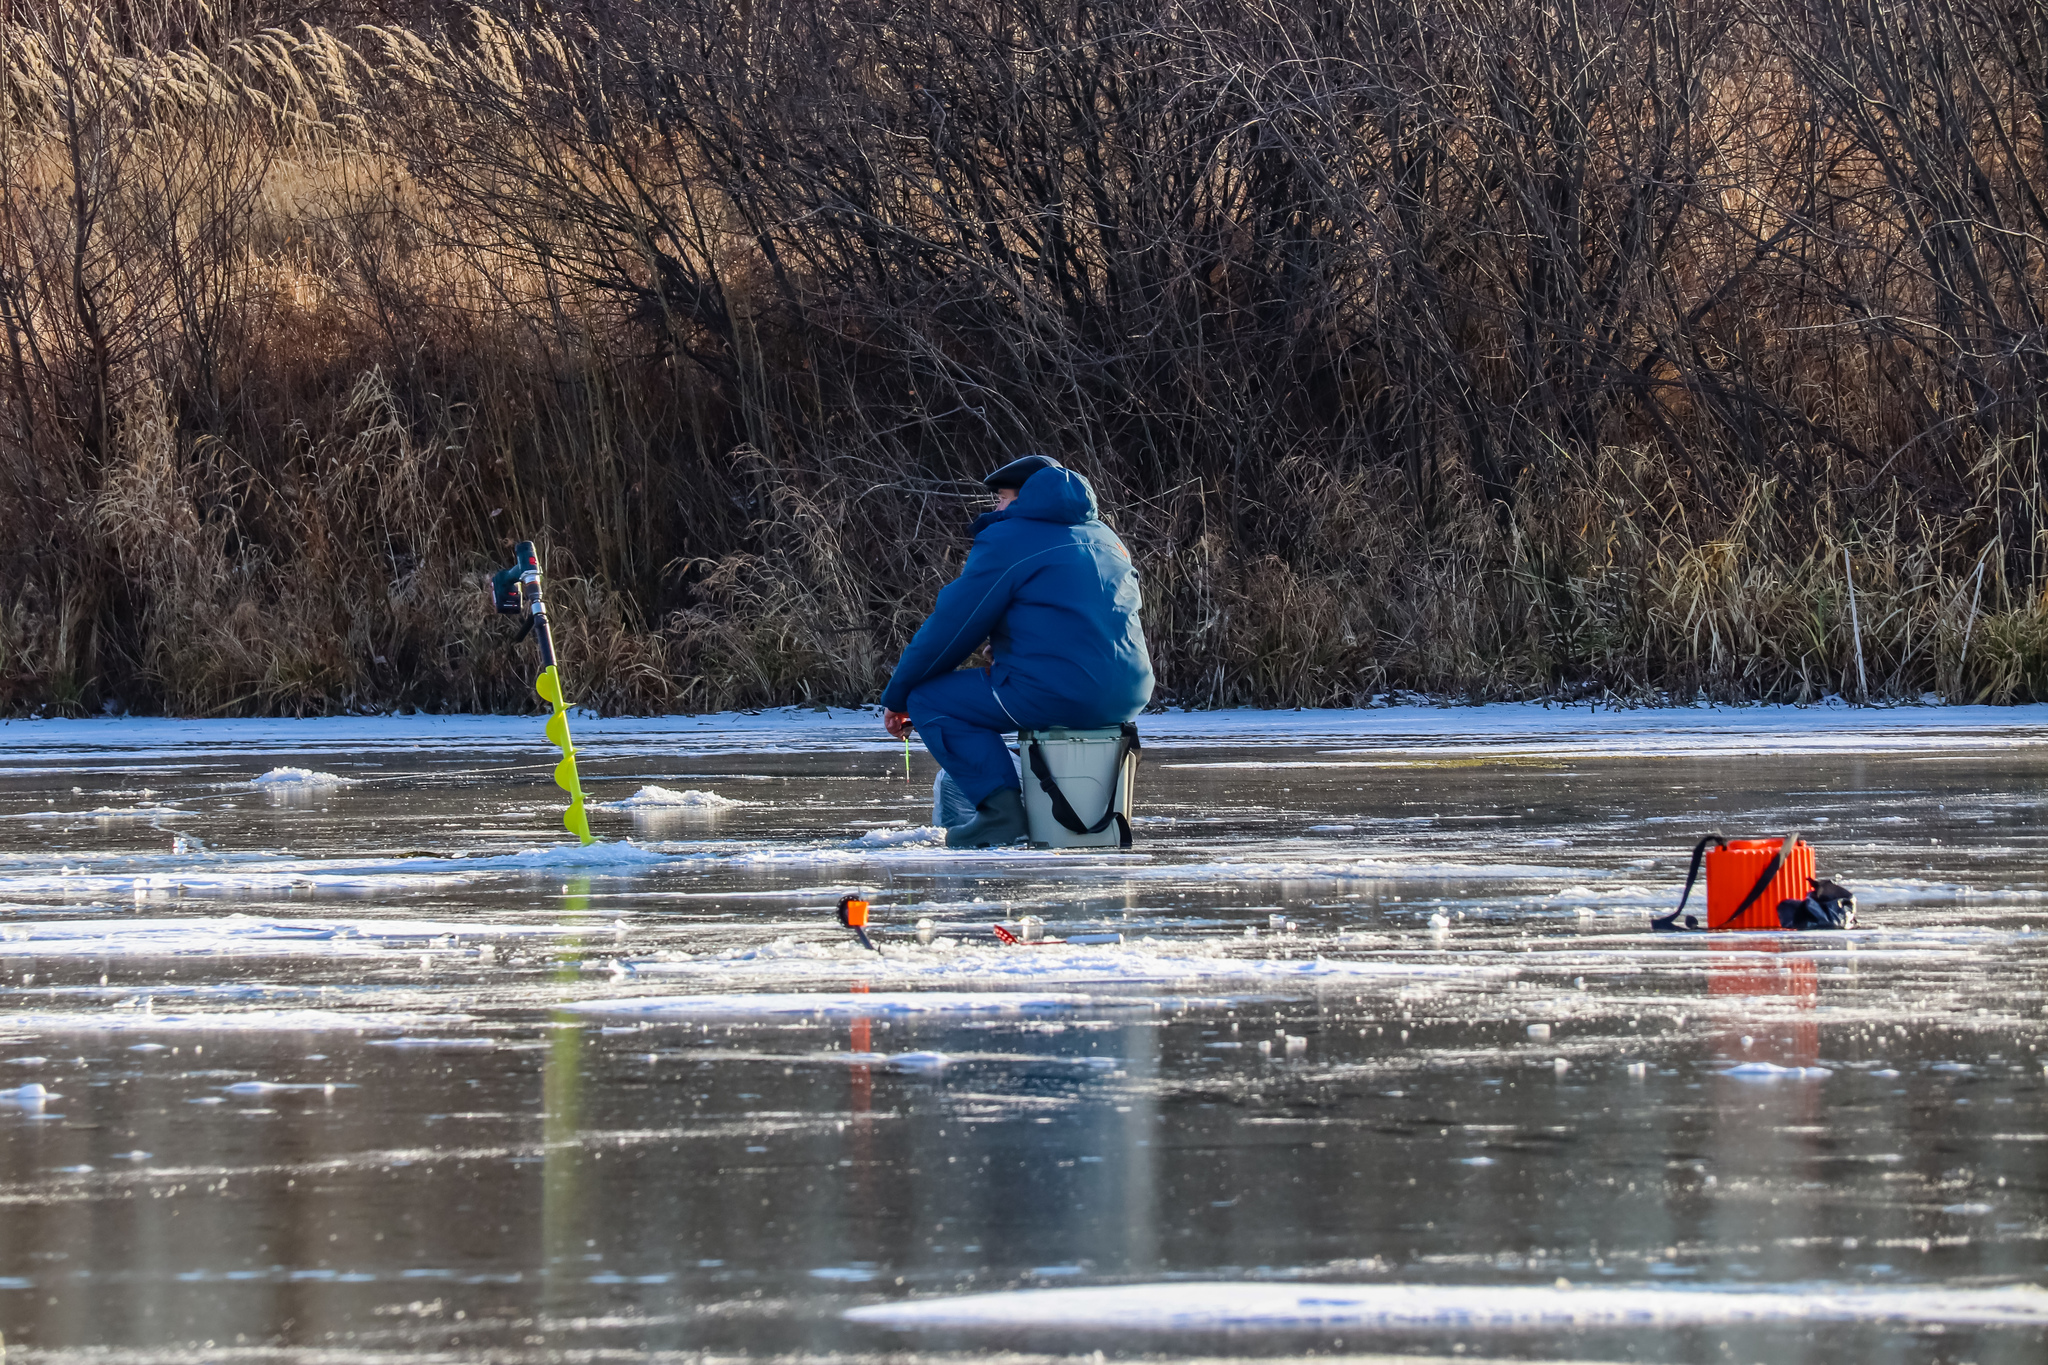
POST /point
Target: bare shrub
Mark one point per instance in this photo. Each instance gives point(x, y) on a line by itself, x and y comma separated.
point(1471, 346)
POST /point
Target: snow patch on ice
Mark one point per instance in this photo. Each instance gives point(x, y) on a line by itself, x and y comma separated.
point(1869, 891)
point(1353, 869)
point(299, 778)
point(915, 836)
point(147, 810)
point(1142, 961)
point(1210, 1307)
point(1424, 731)
point(132, 1021)
point(602, 853)
point(668, 798)
point(919, 845)
point(850, 1005)
point(132, 875)
point(247, 934)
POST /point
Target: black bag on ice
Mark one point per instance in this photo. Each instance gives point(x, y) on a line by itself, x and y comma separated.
point(1829, 905)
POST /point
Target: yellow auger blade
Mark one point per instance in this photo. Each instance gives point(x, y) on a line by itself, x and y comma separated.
point(549, 685)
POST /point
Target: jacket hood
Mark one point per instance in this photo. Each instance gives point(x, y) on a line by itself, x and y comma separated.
point(1056, 495)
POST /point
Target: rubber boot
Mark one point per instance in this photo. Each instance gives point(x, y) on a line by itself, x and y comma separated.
point(997, 820)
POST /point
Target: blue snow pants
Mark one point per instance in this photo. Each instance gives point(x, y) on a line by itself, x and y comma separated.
point(962, 721)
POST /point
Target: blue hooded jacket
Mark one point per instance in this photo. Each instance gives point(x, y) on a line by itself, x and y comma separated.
point(1053, 591)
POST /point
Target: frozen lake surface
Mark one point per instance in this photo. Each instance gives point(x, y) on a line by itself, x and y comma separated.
point(319, 1041)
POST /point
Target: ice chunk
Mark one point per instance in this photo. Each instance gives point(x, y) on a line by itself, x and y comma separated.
point(1769, 1071)
point(902, 838)
point(433, 1042)
point(277, 1087)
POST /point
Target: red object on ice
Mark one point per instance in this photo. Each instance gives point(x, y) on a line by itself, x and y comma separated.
point(1732, 871)
point(1005, 936)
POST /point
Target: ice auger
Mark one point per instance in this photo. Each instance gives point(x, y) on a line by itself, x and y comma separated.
point(517, 593)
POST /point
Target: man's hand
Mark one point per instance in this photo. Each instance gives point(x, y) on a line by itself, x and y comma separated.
point(897, 723)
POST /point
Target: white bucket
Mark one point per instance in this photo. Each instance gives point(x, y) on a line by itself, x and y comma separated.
point(950, 805)
point(1095, 770)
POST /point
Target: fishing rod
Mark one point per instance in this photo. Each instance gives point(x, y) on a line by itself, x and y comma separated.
point(517, 593)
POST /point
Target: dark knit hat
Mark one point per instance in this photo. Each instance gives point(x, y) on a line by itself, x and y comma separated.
point(1013, 474)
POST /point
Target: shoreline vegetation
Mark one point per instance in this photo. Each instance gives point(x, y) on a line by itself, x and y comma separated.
point(1482, 349)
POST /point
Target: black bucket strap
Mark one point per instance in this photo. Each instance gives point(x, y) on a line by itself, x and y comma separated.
point(1127, 750)
point(1699, 853)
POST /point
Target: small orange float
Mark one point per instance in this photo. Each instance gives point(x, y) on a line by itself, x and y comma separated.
point(853, 913)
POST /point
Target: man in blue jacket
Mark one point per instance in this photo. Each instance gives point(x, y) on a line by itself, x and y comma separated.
point(1053, 592)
